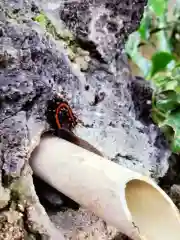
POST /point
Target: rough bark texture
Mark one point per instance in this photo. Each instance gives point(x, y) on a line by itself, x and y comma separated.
point(76, 52)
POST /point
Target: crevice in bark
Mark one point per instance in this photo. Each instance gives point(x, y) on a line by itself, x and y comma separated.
point(91, 48)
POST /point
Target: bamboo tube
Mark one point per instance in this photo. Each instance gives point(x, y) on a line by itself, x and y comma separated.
point(125, 199)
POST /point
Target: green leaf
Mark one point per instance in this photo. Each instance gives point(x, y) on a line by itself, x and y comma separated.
point(159, 6)
point(145, 27)
point(173, 120)
point(157, 116)
point(176, 70)
point(160, 80)
point(171, 85)
point(160, 60)
point(165, 83)
point(176, 143)
point(177, 89)
point(167, 101)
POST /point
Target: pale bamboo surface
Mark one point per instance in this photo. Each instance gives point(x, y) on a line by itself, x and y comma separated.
point(125, 199)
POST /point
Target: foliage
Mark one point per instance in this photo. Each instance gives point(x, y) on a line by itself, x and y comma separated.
point(162, 66)
point(166, 105)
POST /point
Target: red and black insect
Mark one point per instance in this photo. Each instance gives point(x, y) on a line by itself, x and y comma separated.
point(63, 121)
point(60, 115)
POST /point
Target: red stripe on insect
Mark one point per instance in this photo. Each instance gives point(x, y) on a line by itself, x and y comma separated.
point(64, 106)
